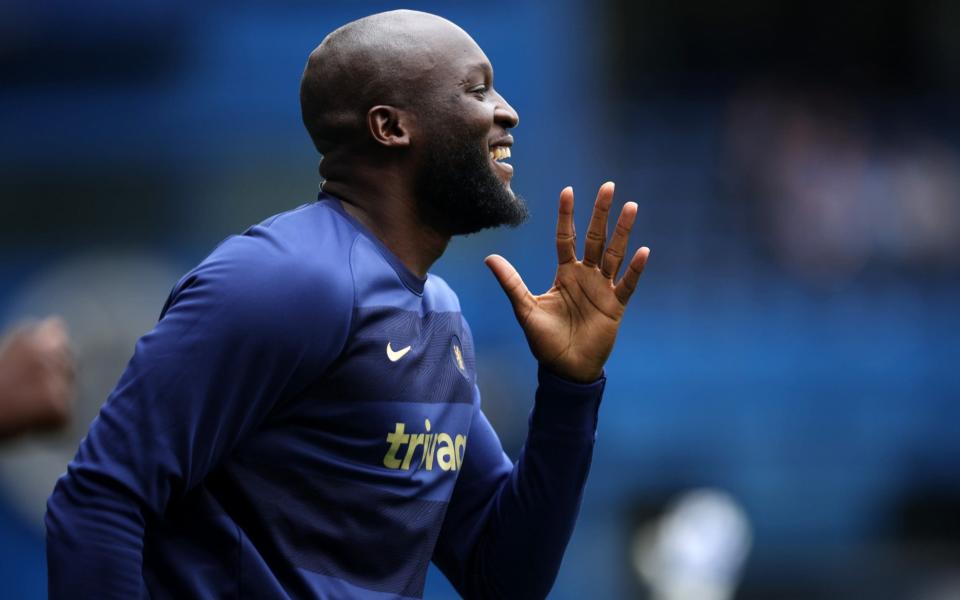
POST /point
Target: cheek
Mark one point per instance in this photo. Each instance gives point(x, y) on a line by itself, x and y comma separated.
point(471, 117)
point(462, 125)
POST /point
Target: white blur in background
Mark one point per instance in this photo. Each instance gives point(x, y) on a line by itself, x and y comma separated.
point(696, 550)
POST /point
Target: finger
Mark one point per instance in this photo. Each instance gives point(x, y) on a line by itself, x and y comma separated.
point(613, 257)
point(512, 284)
point(566, 233)
point(19, 334)
point(628, 282)
point(52, 343)
point(597, 232)
point(51, 335)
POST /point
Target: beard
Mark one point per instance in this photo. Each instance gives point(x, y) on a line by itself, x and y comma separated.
point(458, 192)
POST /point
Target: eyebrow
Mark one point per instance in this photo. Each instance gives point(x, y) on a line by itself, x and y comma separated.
point(484, 67)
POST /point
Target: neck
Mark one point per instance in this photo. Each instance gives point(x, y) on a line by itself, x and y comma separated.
point(391, 215)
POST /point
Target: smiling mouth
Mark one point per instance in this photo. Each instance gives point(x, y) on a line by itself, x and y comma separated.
point(497, 155)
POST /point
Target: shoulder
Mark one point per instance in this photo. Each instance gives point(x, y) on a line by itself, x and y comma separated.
point(284, 271)
point(439, 295)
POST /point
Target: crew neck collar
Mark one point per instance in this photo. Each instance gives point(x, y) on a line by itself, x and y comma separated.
point(409, 278)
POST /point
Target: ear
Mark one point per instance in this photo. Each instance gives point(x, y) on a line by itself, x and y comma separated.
point(389, 126)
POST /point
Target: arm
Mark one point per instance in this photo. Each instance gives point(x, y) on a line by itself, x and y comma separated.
point(507, 526)
point(232, 342)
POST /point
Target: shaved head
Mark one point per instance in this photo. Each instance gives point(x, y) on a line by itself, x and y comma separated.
point(379, 59)
point(402, 103)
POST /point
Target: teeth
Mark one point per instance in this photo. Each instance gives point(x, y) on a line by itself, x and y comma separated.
point(500, 153)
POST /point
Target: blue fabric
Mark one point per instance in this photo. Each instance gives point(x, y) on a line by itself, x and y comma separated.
point(304, 421)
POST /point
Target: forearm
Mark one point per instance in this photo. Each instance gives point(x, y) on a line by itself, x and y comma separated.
point(532, 516)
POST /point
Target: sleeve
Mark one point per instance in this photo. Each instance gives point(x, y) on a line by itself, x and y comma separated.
point(233, 340)
point(507, 525)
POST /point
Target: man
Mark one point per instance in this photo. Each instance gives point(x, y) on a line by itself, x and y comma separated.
point(304, 420)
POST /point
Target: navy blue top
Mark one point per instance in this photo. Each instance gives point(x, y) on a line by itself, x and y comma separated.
point(304, 422)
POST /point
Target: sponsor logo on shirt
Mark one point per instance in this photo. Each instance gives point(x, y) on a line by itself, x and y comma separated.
point(441, 449)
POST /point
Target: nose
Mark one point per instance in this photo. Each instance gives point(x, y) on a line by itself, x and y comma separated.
point(504, 115)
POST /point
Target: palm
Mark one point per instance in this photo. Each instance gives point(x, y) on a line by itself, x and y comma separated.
point(572, 326)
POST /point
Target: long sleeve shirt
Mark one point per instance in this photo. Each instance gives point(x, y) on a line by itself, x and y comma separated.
point(304, 422)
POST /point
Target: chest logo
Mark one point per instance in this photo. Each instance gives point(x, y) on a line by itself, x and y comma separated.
point(458, 356)
point(395, 355)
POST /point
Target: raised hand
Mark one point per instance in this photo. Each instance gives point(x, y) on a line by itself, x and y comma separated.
point(572, 326)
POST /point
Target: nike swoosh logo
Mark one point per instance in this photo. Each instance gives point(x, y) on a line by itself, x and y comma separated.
point(395, 355)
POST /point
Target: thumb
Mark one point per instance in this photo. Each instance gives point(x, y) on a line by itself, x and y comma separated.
point(511, 282)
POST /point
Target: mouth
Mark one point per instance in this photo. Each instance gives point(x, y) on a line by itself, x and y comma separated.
point(499, 152)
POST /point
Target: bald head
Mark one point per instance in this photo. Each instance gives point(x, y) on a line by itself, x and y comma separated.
point(403, 108)
point(382, 59)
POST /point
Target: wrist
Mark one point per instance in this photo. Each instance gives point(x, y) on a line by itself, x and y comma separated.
point(566, 408)
point(578, 376)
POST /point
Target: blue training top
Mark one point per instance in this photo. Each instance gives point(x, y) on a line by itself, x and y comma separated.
point(304, 422)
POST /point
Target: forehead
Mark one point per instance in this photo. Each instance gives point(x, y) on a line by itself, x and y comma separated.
point(454, 54)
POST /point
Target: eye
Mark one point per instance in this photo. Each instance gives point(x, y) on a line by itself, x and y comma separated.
point(479, 90)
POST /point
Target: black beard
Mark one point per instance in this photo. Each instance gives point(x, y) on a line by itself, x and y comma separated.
point(458, 193)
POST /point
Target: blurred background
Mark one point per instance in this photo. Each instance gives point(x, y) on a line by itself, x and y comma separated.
point(782, 418)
